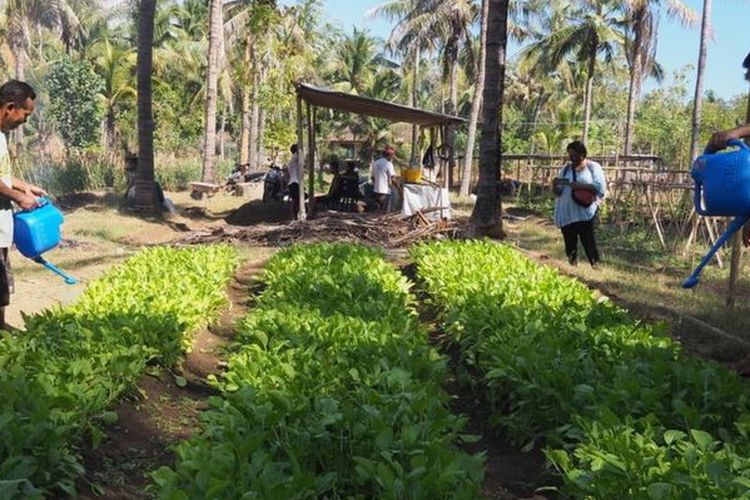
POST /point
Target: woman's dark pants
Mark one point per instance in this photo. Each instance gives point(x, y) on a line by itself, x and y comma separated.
point(583, 230)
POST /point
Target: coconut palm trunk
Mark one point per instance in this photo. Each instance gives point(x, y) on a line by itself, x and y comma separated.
point(19, 51)
point(697, 104)
point(486, 215)
point(245, 113)
point(589, 94)
point(209, 139)
point(450, 135)
point(254, 119)
point(476, 104)
point(636, 67)
point(144, 188)
point(415, 101)
point(245, 133)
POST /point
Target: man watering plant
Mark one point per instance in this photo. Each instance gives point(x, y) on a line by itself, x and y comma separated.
point(16, 104)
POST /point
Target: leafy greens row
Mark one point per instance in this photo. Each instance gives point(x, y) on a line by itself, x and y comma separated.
point(333, 392)
point(623, 413)
point(58, 378)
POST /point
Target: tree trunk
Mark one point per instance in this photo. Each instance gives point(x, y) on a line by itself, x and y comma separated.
point(254, 115)
point(589, 94)
point(415, 101)
point(223, 131)
point(486, 215)
point(450, 134)
point(19, 50)
point(705, 33)
point(245, 133)
point(245, 113)
point(145, 196)
point(111, 130)
point(636, 64)
point(214, 42)
point(261, 130)
point(476, 105)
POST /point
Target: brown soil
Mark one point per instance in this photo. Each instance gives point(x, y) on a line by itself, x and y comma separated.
point(509, 472)
point(160, 413)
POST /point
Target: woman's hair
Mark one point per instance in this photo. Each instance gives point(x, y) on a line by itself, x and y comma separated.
point(578, 147)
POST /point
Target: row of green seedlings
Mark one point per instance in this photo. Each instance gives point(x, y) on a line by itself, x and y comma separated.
point(333, 392)
point(60, 376)
point(622, 413)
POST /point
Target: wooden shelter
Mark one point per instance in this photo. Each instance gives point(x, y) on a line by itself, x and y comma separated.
point(316, 97)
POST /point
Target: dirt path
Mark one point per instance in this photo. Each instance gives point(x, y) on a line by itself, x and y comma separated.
point(163, 412)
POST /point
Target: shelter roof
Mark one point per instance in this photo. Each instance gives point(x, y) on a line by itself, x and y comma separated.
point(368, 106)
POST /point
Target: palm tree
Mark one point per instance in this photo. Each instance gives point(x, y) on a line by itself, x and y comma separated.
point(641, 49)
point(586, 32)
point(215, 39)
point(697, 103)
point(115, 65)
point(486, 215)
point(145, 193)
point(25, 16)
point(476, 103)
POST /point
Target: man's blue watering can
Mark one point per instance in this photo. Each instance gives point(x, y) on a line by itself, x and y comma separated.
point(37, 231)
point(722, 189)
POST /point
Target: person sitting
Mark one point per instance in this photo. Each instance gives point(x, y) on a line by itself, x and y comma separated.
point(240, 173)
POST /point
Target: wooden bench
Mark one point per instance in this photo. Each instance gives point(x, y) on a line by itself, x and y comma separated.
point(201, 188)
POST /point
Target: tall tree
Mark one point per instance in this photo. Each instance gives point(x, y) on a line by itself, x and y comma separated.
point(697, 102)
point(26, 16)
point(641, 48)
point(486, 215)
point(215, 38)
point(591, 29)
point(145, 186)
point(476, 103)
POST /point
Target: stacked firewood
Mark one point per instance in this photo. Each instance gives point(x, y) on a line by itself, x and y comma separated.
point(385, 230)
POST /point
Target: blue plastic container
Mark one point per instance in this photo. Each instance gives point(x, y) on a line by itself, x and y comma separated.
point(722, 189)
point(722, 182)
point(37, 231)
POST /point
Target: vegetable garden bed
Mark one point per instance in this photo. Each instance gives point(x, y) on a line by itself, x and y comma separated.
point(333, 392)
point(621, 412)
point(60, 376)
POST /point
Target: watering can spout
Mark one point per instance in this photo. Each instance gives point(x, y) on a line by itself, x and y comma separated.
point(735, 226)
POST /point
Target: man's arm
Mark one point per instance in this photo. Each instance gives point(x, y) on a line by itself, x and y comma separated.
point(720, 139)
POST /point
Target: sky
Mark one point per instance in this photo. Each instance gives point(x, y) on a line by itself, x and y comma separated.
point(678, 46)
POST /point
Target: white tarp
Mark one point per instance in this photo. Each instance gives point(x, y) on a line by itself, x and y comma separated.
point(423, 196)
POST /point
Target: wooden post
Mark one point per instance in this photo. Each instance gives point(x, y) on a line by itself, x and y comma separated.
point(311, 160)
point(300, 158)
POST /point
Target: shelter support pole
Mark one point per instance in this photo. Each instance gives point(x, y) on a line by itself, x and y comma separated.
point(311, 159)
point(300, 158)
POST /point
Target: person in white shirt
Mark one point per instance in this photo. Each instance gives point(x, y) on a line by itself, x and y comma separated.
point(16, 104)
point(383, 175)
point(292, 172)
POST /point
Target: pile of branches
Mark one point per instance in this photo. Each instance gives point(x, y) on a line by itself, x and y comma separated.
point(386, 230)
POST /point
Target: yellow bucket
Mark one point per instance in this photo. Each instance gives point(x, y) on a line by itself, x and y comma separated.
point(411, 174)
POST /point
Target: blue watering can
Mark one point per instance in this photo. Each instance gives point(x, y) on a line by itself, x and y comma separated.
point(37, 231)
point(722, 188)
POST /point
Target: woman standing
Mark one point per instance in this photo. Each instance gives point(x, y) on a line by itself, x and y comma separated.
point(580, 186)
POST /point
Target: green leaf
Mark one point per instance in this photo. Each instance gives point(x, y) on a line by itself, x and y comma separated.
point(659, 491)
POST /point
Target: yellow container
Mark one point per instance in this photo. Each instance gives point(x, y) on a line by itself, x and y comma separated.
point(412, 175)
